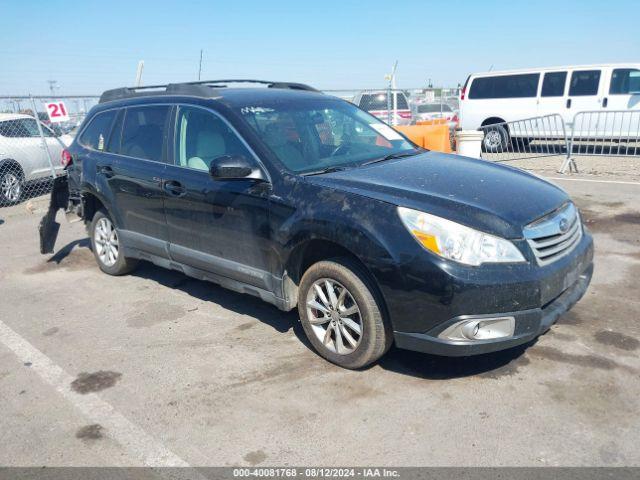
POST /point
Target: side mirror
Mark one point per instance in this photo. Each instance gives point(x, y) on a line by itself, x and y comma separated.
point(227, 167)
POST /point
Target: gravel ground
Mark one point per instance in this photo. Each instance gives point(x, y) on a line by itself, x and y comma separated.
point(155, 368)
point(598, 167)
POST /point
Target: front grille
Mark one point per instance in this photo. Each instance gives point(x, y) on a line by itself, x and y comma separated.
point(555, 235)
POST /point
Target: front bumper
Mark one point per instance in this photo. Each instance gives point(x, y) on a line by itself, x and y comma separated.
point(529, 323)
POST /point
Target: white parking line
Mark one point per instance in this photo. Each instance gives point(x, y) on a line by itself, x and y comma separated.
point(619, 182)
point(130, 436)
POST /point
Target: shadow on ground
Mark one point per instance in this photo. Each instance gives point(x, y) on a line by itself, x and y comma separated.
point(432, 367)
point(64, 252)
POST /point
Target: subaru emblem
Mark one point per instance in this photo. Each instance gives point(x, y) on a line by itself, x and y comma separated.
point(563, 225)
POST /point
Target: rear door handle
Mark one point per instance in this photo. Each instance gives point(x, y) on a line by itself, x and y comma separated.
point(605, 102)
point(568, 103)
point(174, 188)
point(106, 170)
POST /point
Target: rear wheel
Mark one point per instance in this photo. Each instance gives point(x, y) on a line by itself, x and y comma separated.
point(496, 139)
point(11, 185)
point(106, 246)
point(340, 314)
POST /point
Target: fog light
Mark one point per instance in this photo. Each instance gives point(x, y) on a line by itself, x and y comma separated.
point(472, 329)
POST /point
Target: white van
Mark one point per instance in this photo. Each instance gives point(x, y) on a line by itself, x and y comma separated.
point(494, 97)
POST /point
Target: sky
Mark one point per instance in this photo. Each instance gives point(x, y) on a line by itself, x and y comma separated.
point(89, 46)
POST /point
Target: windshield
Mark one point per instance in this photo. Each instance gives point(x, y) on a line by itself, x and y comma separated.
point(313, 135)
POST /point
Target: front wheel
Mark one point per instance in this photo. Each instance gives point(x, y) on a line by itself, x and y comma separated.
point(107, 248)
point(340, 314)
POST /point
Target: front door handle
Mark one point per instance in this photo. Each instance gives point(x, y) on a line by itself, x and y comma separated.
point(174, 188)
point(605, 102)
point(106, 170)
point(568, 103)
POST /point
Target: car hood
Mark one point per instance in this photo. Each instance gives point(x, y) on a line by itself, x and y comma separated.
point(490, 197)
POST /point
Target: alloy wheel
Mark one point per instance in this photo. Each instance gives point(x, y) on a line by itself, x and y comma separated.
point(106, 241)
point(492, 139)
point(10, 187)
point(334, 316)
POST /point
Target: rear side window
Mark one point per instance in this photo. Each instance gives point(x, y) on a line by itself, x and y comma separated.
point(116, 133)
point(553, 84)
point(584, 82)
point(625, 81)
point(97, 132)
point(505, 86)
point(143, 132)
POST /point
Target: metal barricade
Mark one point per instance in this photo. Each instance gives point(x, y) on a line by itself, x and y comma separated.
point(524, 139)
point(611, 133)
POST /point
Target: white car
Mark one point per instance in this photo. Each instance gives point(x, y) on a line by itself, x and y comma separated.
point(433, 111)
point(495, 97)
point(23, 158)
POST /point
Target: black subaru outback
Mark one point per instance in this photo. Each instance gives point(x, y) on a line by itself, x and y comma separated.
point(302, 199)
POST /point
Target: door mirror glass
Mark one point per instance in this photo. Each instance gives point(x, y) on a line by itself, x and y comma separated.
point(230, 167)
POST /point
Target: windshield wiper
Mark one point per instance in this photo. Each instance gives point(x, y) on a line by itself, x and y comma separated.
point(392, 156)
point(324, 170)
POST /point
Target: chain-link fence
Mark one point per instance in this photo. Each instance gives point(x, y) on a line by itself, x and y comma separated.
point(30, 156)
point(407, 106)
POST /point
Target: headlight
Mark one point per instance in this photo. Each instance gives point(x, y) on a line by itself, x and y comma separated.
point(457, 242)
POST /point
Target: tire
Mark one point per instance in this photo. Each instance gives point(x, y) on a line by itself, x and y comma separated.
point(375, 336)
point(11, 184)
point(106, 246)
point(496, 139)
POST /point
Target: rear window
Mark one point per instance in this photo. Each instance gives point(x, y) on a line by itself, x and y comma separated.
point(431, 108)
point(584, 82)
point(505, 86)
point(401, 102)
point(553, 84)
point(143, 132)
point(625, 81)
point(97, 132)
point(378, 101)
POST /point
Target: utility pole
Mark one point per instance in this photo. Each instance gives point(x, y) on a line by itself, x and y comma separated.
point(53, 86)
point(200, 66)
point(139, 73)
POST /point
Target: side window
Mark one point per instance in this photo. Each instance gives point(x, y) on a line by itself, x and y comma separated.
point(625, 81)
point(584, 82)
point(505, 86)
point(481, 88)
point(143, 132)
point(20, 128)
point(202, 136)
point(29, 128)
point(97, 132)
point(553, 84)
point(116, 134)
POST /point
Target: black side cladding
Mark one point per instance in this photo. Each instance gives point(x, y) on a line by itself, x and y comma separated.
point(48, 227)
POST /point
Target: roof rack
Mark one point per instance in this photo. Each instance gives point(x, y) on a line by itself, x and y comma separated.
point(200, 88)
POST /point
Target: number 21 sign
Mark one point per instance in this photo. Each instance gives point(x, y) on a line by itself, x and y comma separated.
point(57, 112)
